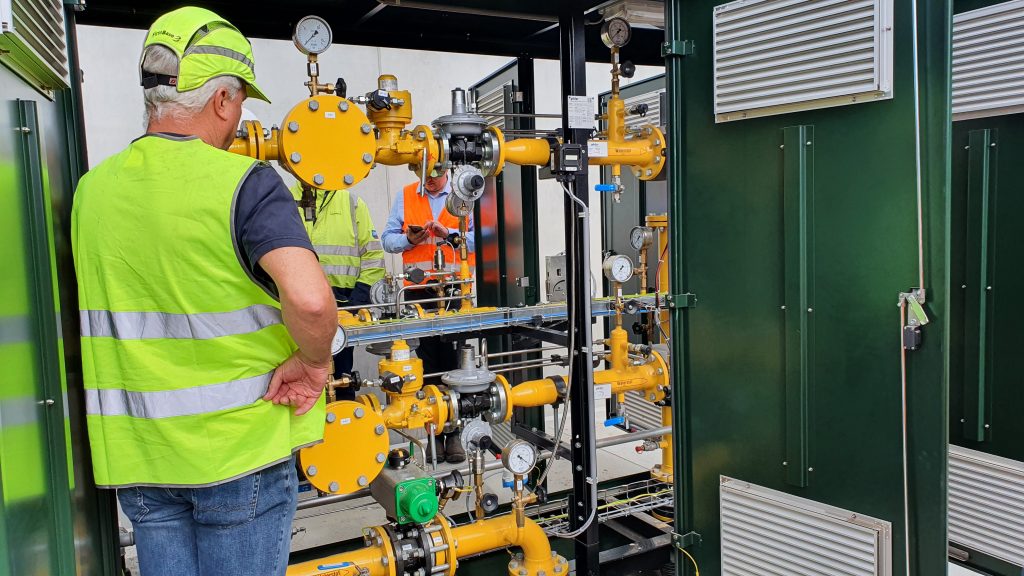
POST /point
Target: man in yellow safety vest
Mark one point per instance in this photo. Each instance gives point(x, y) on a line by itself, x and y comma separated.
point(206, 319)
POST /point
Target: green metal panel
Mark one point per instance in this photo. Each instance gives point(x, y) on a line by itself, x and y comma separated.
point(987, 363)
point(981, 226)
point(33, 449)
point(798, 221)
point(729, 238)
point(52, 519)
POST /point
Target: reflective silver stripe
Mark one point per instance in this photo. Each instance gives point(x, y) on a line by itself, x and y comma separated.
point(336, 250)
point(425, 266)
point(220, 51)
point(184, 402)
point(336, 270)
point(203, 326)
point(378, 263)
point(371, 246)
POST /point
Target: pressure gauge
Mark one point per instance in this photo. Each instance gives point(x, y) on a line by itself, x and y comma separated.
point(312, 35)
point(618, 268)
point(616, 32)
point(641, 237)
point(381, 292)
point(339, 341)
point(519, 457)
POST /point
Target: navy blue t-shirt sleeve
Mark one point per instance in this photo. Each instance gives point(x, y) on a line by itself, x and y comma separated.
point(266, 218)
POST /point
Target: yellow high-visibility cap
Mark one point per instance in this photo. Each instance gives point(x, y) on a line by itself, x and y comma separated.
point(207, 46)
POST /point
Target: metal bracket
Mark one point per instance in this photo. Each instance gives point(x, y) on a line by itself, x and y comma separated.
point(677, 48)
point(681, 300)
point(686, 540)
point(916, 316)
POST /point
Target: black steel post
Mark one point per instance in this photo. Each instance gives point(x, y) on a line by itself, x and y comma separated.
point(583, 446)
point(676, 140)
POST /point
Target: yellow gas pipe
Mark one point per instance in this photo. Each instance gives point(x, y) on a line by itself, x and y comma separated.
point(479, 537)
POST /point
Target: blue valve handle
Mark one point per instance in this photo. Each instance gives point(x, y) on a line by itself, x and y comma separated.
point(605, 187)
point(614, 421)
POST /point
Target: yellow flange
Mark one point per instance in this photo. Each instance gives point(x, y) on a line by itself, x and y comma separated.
point(355, 431)
point(327, 142)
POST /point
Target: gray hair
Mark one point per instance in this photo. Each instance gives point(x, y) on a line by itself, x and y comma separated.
point(166, 101)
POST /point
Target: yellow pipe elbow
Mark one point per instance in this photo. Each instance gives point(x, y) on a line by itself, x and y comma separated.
point(502, 532)
point(527, 152)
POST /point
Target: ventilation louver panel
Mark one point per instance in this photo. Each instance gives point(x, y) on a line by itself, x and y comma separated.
point(33, 35)
point(988, 61)
point(986, 504)
point(780, 56)
point(642, 414)
point(653, 116)
point(766, 532)
point(492, 102)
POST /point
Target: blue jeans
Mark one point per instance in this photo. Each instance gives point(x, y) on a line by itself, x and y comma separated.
point(242, 527)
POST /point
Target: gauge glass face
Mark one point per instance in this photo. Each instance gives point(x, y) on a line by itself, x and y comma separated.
point(616, 33)
point(618, 268)
point(339, 341)
point(312, 35)
point(637, 238)
point(520, 458)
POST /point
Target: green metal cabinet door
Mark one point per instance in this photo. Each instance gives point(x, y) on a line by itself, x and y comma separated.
point(795, 234)
point(36, 518)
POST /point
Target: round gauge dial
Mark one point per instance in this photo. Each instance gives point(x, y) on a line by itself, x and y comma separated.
point(339, 341)
point(381, 292)
point(618, 268)
point(312, 35)
point(519, 457)
point(616, 32)
point(640, 237)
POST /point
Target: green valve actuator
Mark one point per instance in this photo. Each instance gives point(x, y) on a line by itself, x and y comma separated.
point(416, 501)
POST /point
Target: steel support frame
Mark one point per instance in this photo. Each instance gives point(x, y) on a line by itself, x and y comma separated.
point(676, 141)
point(572, 60)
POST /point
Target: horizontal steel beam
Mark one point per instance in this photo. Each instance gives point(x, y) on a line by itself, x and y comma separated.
point(391, 330)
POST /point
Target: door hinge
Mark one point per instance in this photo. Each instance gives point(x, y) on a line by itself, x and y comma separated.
point(681, 300)
point(677, 48)
point(686, 540)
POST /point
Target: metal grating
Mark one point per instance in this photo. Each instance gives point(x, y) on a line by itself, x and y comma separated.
point(766, 532)
point(986, 504)
point(988, 61)
point(781, 56)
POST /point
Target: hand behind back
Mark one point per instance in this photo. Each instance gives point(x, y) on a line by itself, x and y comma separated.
point(297, 382)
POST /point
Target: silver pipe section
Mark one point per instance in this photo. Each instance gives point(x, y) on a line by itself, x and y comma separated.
point(401, 291)
point(493, 465)
point(528, 367)
point(527, 363)
point(521, 352)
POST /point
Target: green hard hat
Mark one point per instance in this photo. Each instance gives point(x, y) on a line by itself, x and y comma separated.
point(207, 46)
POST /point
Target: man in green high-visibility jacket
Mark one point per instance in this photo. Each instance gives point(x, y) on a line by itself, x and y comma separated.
point(206, 319)
point(350, 253)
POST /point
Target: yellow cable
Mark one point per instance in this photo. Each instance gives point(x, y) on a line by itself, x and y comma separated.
point(695, 567)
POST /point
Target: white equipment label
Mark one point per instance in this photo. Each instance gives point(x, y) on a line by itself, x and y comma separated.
point(602, 391)
point(330, 115)
point(581, 112)
point(597, 149)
